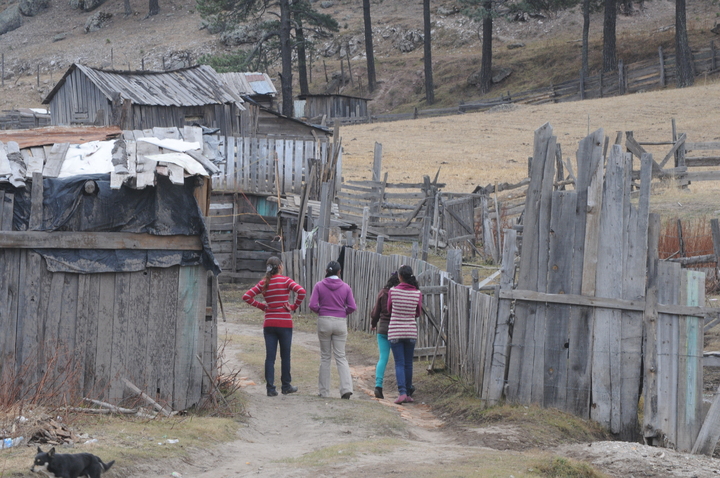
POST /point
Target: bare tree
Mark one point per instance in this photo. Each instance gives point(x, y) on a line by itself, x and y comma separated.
point(154, 8)
point(372, 82)
point(683, 55)
point(586, 37)
point(286, 59)
point(486, 63)
point(429, 85)
point(302, 57)
point(128, 8)
point(610, 61)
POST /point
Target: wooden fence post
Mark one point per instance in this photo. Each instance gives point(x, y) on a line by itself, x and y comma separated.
point(364, 228)
point(650, 335)
point(621, 77)
point(379, 244)
point(325, 210)
point(680, 238)
point(715, 227)
point(582, 84)
point(454, 264)
point(494, 385)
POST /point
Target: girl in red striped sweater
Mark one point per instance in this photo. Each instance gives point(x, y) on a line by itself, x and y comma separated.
point(278, 324)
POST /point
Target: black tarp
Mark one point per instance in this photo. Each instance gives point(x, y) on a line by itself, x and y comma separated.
point(163, 210)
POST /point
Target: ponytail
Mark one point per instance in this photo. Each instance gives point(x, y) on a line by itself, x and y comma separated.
point(272, 268)
point(406, 273)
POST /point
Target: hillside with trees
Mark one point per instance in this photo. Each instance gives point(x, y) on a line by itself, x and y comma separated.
point(476, 48)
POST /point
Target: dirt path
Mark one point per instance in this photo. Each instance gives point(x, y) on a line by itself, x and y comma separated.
point(285, 428)
point(302, 435)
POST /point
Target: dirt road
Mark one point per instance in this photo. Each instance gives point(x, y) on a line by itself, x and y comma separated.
point(303, 435)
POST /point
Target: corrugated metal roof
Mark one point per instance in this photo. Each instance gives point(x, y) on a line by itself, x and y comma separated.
point(194, 86)
point(247, 84)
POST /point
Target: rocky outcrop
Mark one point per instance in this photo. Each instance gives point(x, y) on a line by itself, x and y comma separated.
point(97, 21)
point(30, 8)
point(242, 35)
point(86, 5)
point(10, 19)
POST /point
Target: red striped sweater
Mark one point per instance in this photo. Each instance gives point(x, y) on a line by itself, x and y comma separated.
point(404, 303)
point(276, 296)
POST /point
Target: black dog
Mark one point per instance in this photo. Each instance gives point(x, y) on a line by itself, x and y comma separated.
point(69, 466)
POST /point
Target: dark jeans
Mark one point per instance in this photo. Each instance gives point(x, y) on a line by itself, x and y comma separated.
point(403, 351)
point(273, 336)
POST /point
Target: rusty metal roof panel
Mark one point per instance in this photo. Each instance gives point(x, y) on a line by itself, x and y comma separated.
point(194, 86)
point(248, 84)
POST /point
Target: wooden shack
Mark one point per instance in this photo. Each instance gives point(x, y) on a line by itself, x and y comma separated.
point(139, 100)
point(101, 281)
point(341, 107)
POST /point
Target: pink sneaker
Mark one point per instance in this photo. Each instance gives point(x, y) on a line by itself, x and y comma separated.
point(409, 399)
point(401, 399)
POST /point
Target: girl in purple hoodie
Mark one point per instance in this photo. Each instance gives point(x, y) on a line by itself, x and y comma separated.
point(333, 301)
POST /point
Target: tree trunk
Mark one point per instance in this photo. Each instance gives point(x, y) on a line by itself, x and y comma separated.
point(609, 50)
point(429, 86)
point(154, 8)
point(302, 57)
point(128, 8)
point(586, 38)
point(683, 56)
point(369, 47)
point(486, 64)
point(286, 57)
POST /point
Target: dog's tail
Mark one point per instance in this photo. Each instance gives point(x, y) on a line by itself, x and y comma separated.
point(106, 466)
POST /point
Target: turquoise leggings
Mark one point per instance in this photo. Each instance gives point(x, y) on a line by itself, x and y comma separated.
point(384, 348)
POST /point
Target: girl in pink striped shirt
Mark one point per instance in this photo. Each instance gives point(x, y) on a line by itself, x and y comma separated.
point(278, 324)
point(404, 304)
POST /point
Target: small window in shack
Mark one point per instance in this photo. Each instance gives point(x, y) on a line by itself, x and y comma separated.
point(190, 120)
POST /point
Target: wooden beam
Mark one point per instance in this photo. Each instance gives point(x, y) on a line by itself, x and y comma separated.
point(671, 154)
point(605, 303)
point(96, 240)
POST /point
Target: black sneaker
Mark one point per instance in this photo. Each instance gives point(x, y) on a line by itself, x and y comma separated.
point(290, 389)
point(410, 391)
point(346, 395)
point(272, 393)
point(379, 393)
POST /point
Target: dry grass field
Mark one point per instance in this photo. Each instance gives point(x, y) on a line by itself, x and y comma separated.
point(482, 148)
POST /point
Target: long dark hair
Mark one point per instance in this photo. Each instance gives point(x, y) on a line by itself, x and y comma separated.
point(273, 266)
point(392, 281)
point(408, 277)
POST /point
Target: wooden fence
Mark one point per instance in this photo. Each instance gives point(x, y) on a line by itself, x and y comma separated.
point(257, 165)
point(584, 321)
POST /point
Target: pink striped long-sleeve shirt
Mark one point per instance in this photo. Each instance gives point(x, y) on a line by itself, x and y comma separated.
point(404, 305)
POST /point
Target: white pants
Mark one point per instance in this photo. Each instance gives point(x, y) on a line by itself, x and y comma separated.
point(332, 332)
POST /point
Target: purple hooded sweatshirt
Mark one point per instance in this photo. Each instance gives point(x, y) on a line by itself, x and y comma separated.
point(332, 297)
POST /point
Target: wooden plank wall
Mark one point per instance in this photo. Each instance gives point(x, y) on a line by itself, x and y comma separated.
point(242, 237)
point(257, 165)
point(84, 332)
